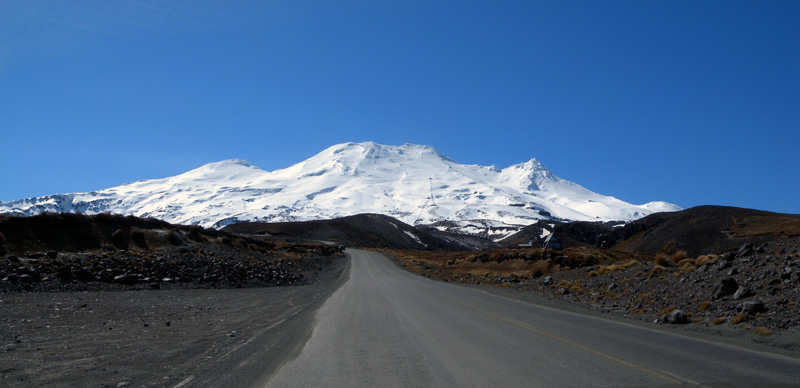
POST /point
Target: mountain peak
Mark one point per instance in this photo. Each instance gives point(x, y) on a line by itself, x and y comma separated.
point(413, 183)
point(231, 162)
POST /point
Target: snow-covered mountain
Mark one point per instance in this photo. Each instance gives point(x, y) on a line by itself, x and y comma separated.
point(413, 183)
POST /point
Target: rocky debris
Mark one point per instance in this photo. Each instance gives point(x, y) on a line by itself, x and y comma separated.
point(169, 268)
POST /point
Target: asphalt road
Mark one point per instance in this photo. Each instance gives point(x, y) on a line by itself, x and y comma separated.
point(386, 327)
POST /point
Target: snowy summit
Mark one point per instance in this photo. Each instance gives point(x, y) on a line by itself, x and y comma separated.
point(413, 183)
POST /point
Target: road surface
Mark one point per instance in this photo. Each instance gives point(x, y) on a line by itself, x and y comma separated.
point(386, 327)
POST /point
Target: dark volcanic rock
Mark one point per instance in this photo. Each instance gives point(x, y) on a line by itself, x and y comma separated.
point(726, 287)
point(753, 307)
point(742, 292)
point(676, 317)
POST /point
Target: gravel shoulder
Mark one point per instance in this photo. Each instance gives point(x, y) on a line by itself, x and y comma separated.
point(153, 338)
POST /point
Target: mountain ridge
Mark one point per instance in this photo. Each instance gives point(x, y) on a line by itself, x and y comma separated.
point(413, 183)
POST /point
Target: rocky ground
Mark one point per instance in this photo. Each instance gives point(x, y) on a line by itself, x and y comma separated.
point(752, 293)
point(160, 325)
point(169, 268)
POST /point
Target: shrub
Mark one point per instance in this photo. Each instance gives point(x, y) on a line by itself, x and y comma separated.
point(719, 321)
point(705, 305)
point(591, 274)
point(739, 319)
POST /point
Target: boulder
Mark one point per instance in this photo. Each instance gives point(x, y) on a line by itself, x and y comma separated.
point(753, 307)
point(676, 317)
point(727, 286)
point(742, 292)
point(728, 256)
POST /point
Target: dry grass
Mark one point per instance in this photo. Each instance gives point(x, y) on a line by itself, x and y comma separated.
point(739, 319)
point(687, 265)
point(607, 269)
point(719, 321)
point(667, 310)
point(657, 271)
point(706, 260)
point(705, 305)
point(762, 331)
point(663, 260)
point(678, 256)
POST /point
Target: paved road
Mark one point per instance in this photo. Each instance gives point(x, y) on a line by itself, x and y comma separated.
point(386, 327)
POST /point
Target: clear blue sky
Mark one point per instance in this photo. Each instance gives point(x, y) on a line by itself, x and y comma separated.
point(690, 102)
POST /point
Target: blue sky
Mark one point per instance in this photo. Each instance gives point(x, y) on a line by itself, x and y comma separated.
point(690, 102)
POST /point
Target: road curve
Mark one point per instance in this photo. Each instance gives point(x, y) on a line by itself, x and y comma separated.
point(386, 327)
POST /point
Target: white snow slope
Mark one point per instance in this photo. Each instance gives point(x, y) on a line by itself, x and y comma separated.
point(350, 179)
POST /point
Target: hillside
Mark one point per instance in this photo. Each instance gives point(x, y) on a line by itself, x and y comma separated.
point(364, 231)
point(697, 231)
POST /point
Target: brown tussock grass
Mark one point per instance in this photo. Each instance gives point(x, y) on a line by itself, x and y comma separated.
point(667, 310)
point(663, 260)
point(705, 305)
point(706, 260)
point(739, 319)
point(719, 321)
point(657, 271)
point(762, 331)
point(606, 269)
point(678, 256)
